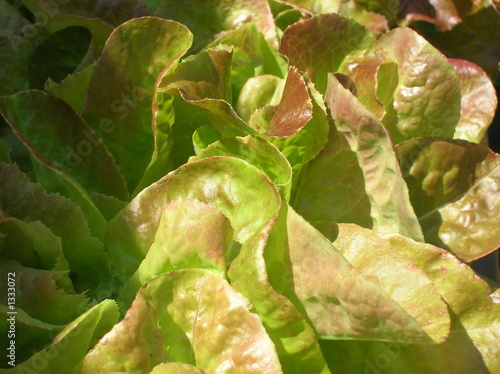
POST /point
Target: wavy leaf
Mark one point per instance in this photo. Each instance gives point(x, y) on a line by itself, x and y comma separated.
point(190, 235)
point(71, 345)
point(214, 17)
point(292, 113)
point(257, 152)
point(479, 101)
point(120, 95)
point(348, 181)
point(251, 274)
point(215, 331)
point(377, 259)
point(426, 80)
point(340, 302)
point(229, 184)
point(454, 188)
point(72, 147)
point(331, 43)
point(39, 295)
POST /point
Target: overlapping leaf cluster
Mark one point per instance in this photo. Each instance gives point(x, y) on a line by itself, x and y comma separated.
point(246, 186)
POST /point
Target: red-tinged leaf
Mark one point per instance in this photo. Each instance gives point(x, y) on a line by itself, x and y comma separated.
point(454, 187)
point(426, 80)
point(39, 295)
point(348, 181)
point(191, 316)
point(122, 86)
point(292, 113)
point(446, 14)
point(479, 101)
point(227, 183)
point(203, 80)
point(332, 43)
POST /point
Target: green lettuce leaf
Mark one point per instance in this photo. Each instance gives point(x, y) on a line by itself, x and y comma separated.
point(75, 162)
point(32, 244)
point(27, 201)
point(257, 93)
point(58, 44)
point(204, 93)
point(203, 137)
point(471, 346)
point(17, 48)
point(203, 80)
point(73, 89)
point(71, 345)
point(479, 101)
point(30, 335)
point(229, 184)
point(204, 75)
point(211, 18)
point(258, 152)
point(72, 145)
point(252, 56)
point(176, 368)
point(377, 259)
point(120, 95)
point(477, 315)
point(348, 181)
point(109, 206)
point(454, 188)
point(340, 302)
point(38, 294)
point(301, 140)
point(55, 180)
point(215, 330)
point(190, 235)
point(53, 59)
point(251, 274)
point(426, 80)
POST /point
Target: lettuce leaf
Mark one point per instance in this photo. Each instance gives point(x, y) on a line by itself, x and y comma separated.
point(71, 345)
point(347, 181)
point(426, 80)
point(478, 104)
point(251, 274)
point(120, 93)
point(229, 184)
point(454, 189)
point(340, 302)
point(190, 316)
point(190, 235)
point(27, 201)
